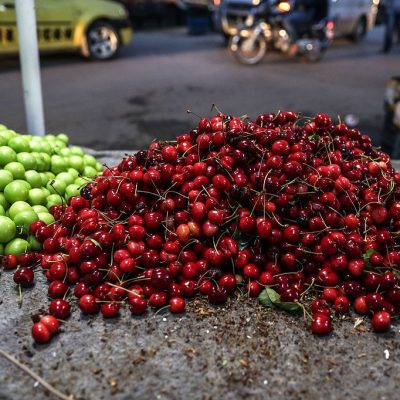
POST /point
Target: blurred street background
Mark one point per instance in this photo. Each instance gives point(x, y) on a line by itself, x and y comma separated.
point(144, 93)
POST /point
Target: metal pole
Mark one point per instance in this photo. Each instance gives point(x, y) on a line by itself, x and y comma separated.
point(29, 58)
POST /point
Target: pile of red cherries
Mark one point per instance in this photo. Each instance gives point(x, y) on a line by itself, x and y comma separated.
point(301, 205)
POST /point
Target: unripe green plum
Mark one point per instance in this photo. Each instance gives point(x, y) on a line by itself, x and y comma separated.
point(16, 246)
point(53, 200)
point(16, 168)
point(27, 160)
point(19, 144)
point(37, 197)
point(6, 177)
point(24, 219)
point(7, 155)
point(18, 207)
point(34, 178)
point(46, 217)
point(8, 229)
point(40, 209)
point(17, 190)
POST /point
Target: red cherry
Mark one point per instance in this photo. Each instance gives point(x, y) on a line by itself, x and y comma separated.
point(60, 309)
point(321, 324)
point(41, 333)
point(87, 303)
point(110, 310)
point(381, 321)
point(177, 305)
point(51, 323)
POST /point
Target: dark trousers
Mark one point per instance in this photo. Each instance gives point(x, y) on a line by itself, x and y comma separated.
point(298, 22)
point(392, 27)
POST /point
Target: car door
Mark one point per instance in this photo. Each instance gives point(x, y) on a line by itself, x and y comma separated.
point(8, 27)
point(344, 12)
point(56, 20)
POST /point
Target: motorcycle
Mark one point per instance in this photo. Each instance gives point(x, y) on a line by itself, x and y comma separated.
point(258, 35)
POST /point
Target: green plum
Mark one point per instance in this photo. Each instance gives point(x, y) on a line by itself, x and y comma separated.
point(6, 177)
point(37, 197)
point(56, 186)
point(17, 190)
point(65, 177)
point(76, 162)
point(81, 182)
point(89, 160)
point(7, 155)
point(27, 160)
point(58, 164)
point(8, 229)
point(41, 166)
point(63, 137)
point(73, 172)
point(53, 200)
point(4, 202)
point(17, 246)
point(90, 172)
point(36, 146)
point(34, 178)
point(65, 152)
point(19, 144)
point(76, 150)
point(34, 244)
point(71, 191)
point(47, 161)
point(40, 209)
point(46, 217)
point(24, 219)
point(17, 169)
point(17, 207)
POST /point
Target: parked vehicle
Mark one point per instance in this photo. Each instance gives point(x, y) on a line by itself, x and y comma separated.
point(96, 28)
point(159, 11)
point(266, 31)
point(353, 18)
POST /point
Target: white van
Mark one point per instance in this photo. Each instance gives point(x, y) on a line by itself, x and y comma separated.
point(353, 18)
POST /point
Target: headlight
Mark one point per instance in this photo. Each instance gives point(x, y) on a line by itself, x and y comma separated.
point(284, 6)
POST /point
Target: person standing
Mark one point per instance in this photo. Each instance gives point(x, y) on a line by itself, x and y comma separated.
point(392, 21)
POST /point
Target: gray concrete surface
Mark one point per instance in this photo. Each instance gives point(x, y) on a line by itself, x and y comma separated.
point(238, 351)
point(145, 92)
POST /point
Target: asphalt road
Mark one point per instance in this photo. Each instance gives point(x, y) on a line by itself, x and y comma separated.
point(144, 94)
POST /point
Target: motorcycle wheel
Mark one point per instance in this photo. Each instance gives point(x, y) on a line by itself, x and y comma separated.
point(246, 51)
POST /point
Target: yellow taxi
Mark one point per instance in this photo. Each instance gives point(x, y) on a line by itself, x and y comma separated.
point(96, 28)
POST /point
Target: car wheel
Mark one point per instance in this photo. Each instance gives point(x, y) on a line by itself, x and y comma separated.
point(359, 31)
point(102, 41)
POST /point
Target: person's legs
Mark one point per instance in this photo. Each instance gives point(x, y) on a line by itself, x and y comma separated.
point(390, 24)
point(397, 26)
point(295, 23)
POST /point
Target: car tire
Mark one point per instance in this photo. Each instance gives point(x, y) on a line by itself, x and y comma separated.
point(359, 31)
point(102, 41)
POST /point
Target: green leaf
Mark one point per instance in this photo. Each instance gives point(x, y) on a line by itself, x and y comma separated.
point(368, 254)
point(366, 257)
point(270, 298)
point(273, 295)
point(264, 299)
point(243, 241)
point(288, 306)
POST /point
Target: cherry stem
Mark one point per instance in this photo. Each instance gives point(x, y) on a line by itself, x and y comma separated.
point(36, 377)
